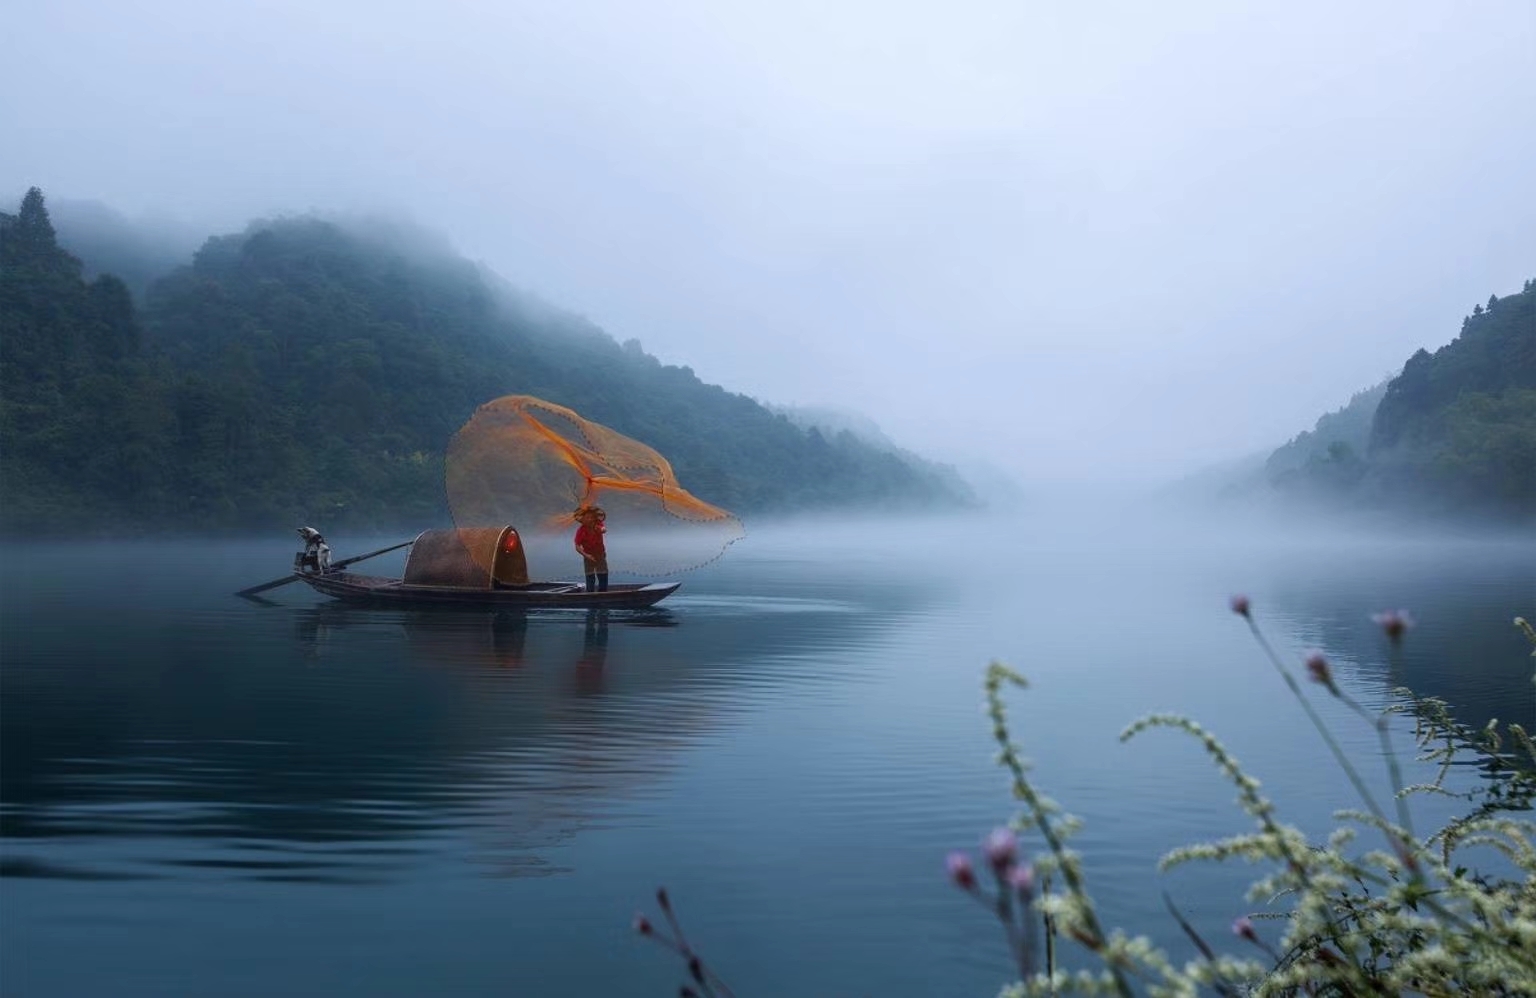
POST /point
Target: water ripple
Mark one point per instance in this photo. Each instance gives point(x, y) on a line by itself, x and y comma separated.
point(792, 744)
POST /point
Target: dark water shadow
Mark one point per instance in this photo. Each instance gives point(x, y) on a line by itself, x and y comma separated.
point(1464, 647)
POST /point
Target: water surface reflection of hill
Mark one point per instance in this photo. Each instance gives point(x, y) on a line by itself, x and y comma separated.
point(1464, 647)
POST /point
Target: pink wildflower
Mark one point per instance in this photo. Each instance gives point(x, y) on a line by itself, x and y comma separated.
point(1001, 848)
point(1393, 623)
point(1239, 604)
point(1320, 672)
point(1244, 927)
point(960, 870)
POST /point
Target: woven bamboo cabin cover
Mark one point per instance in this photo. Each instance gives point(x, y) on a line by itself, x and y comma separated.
point(467, 558)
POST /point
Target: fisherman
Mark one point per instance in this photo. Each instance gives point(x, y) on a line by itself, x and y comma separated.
point(317, 553)
point(591, 547)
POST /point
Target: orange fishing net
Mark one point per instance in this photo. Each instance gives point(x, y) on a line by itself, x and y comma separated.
point(535, 465)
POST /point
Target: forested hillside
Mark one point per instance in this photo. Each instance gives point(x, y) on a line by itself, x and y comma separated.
point(1453, 434)
point(78, 403)
point(305, 372)
point(1460, 424)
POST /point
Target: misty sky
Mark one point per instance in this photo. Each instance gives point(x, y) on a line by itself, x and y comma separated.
point(1086, 240)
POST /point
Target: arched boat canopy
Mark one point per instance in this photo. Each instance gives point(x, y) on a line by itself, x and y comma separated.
point(467, 558)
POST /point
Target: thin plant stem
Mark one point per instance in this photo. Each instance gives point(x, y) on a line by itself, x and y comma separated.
point(1049, 927)
point(1222, 987)
point(1317, 722)
point(1394, 771)
point(700, 972)
point(1011, 930)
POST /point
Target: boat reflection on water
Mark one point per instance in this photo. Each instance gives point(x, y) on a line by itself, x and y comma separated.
point(496, 639)
point(259, 740)
point(594, 652)
point(506, 727)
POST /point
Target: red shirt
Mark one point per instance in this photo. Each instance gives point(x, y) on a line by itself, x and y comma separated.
point(590, 540)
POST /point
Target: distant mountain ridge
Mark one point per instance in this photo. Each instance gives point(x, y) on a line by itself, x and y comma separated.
point(1344, 430)
point(833, 422)
point(308, 371)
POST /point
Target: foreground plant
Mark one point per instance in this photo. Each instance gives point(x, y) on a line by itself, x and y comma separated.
point(1413, 917)
point(704, 982)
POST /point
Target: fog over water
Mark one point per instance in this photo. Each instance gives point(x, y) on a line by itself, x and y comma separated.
point(1103, 242)
point(294, 797)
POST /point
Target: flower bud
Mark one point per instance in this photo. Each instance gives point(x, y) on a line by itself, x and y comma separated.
point(1243, 927)
point(1239, 604)
point(960, 870)
point(1393, 623)
point(1317, 668)
point(1001, 848)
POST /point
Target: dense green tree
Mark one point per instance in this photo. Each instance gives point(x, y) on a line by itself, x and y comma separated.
point(73, 388)
point(1495, 354)
point(33, 232)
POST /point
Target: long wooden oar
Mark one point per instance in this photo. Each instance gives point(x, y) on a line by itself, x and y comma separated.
point(335, 565)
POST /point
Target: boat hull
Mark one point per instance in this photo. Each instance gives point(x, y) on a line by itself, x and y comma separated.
point(377, 591)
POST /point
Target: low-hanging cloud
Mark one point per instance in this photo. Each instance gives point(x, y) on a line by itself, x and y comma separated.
point(1101, 241)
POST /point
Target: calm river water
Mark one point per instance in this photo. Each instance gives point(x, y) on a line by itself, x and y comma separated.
point(208, 796)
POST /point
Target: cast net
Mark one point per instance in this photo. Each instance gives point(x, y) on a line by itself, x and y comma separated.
point(535, 465)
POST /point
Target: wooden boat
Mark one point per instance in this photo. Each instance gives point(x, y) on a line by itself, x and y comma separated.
point(481, 567)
